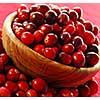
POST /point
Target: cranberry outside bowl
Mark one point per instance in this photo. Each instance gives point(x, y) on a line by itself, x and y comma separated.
point(36, 65)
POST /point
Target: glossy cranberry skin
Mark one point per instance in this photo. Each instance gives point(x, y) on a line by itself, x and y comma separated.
point(68, 48)
point(52, 90)
point(83, 47)
point(95, 30)
point(27, 38)
point(97, 41)
point(22, 77)
point(1, 65)
point(38, 36)
point(23, 15)
point(50, 53)
point(30, 27)
point(93, 85)
point(48, 94)
point(37, 18)
point(84, 91)
point(16, 26)
point(65, 93)
point(13, 74)
point(81, 20)
point(46, 28)
point(31, 93)
point(19, 31)
point(23, 86)
point(33, 8)
point(77, 42)
point(20, 94)
point(70, 29)
point(65, 37)
point(51, 17)
point(17, 20)
point(75, 92)
point(78, 59)
point(4, 92)
point(88, 25)
point(63, 19)
point(39, 48)
point(50, 39)
point(2, 79)
point(39, 85)
point(88, 37)
point(12, 86)
point(92, 58)
point(65, 58)
point(25, 23)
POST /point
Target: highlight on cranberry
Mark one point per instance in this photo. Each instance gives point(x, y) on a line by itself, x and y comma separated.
point(58, 33)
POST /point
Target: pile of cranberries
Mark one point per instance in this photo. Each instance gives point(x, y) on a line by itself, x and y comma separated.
point(58, 33)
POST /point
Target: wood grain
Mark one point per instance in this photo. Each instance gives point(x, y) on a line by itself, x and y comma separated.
point(36, 65)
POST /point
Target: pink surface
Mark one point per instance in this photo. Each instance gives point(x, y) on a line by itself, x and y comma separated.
point(91, 12)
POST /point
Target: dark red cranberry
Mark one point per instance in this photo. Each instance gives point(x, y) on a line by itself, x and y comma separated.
point(25, 23)
point(48, 94)
point(81, 20)
point(23, 86)
point(52, 90)
point(68, 48)
point(65, 37)
point(27, 38)
point(97, 41)
point(84, 91)
point(70, 29)
point(37, 18)
point(43, 8)
point(2, 79)
point(65, 93)
point(4, 92)
point(51, 17)
point(63, 19)
point(46, 28)
point(1, 65)
point(23, 15)
point(8, 67)
point(93, 85)
point(56, 50)
point(22, 77)
point(50, 39)
point(50, 53)
point(30, 27)
point(39, 48)
point(16, 26)
point(20, 94)
point(73, 15)
point(75, 92)
point(92, 58)
point(1, 46)
point(65, 11)
point(38, 36)
point(12, 86)
point(33, 8)
point(83, 47)
point(13, 74)
point(31, 93)
point(88, 25)
point(78, 59)
point(65, 58)
point(65, 8)
point(17, 20)
point(88, 37)
point(95, 30)
point(39, 85)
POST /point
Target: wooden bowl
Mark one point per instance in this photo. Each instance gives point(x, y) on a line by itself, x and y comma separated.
point(36, 65)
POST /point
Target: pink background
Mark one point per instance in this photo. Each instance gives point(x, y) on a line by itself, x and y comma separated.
point(91, 12)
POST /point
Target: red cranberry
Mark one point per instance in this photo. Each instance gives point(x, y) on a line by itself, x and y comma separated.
point(38, 36)
point(51, 17)
point(93, 85)
point(81, 20)
point(1, 66)
point(30, 27)
point(31, 93)
point(27, 38)
point(4, 92)
point(33, 8)
point(65, 58)
point(65, 8)
point(25, 23)
point(52, 90)
point(13, 74)
point(21, 94)
point(79, 11)
point(65, 37)
point(22, 77)
point(1, 46)
point(73, 15)
point(84, 91)
point(88, 37)
point(97, 41)
point(56, 50)
point(65, 93)
point(70, 29)
point(68, 48)
point(2, 79)
point(63, 19)
point(78, 59)
point(12, 86)
point(46, 28)
point(23, 86)
point(23, 15)
point(19, 31)
point(50, 39)
point(75, 92)
point(48, 94)
point(95, 30)
point(88, 25)
point(8, 67)
point(17, 20)
point(39, 85)
point(16, 26)
point(92, 58)
point(39, 48)
point(50, 53)
point(0, 32)
point(37, 18)
point(83, 47)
